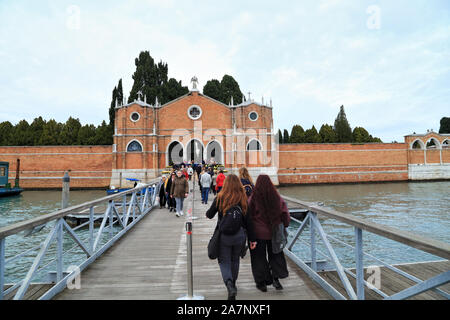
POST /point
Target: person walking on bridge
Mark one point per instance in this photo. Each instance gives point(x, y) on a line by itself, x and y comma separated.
point(233, 223)
point(179, 190)
point(267, 211)
point(219, 181)
point(205, 184)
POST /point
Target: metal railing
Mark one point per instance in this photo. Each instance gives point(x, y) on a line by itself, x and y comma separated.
point(121, 214)
point(311, 220)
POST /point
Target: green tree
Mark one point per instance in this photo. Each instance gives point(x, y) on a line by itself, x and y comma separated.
point(87, 135)
point(212, 89)
point(312, 136)
point(342, 127)
point(280, 137)
point(360, 135)
point(173, 89)
point(36, 129)
point(286, 138)
point(297, 134)
point(117, 95)
point(327, 134)
point(151, 79)
point(230, 88)
point(69, 132)
point(51, 133)
point(6, 133)
point(102, 134)
point(445, 125)
point(22, 136)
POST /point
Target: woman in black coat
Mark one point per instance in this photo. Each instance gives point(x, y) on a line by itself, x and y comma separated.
point(231, 245)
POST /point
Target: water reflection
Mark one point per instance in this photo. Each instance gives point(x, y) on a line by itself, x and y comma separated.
point(421, 208)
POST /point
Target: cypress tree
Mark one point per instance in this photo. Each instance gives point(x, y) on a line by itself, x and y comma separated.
point(6, 133)
point(212, 89)
point(444, 125)
point(230, 88)
point(152, 80)
point(342, 127)
point(286, 138)
point(297, 134)
point(280, 137)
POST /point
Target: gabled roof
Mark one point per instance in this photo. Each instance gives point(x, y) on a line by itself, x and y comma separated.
point(157, 105)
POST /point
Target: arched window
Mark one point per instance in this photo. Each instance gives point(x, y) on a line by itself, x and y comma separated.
point(254, 145)
point(417, 145)
point(446, 144)
point(134, 146)
point(432, 144)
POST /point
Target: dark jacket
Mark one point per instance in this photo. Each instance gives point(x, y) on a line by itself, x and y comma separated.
point(247, 221)
point(261, 224)
point(179, 187)
point(162, 191)
point(248, 186)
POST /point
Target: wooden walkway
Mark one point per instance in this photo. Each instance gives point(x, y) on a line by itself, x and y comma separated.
point(391, 282)
point(150, 263)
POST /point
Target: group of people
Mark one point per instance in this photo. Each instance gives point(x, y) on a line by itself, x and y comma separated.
point(262, 209)
point(175, 188)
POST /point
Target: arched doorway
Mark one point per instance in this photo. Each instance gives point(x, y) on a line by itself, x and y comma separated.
point(194, 151)
point(174, 153)
point(214, 152)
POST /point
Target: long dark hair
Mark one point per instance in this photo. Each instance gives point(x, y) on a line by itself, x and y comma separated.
point(232, 194)
point(266, 199)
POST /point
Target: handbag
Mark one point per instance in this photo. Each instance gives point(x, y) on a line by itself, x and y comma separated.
point(279, 238)
point(214, 244)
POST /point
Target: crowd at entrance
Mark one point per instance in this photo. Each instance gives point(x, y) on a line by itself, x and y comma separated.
point(250, 216)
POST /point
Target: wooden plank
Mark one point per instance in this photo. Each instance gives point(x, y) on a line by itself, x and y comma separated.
point(391, 282)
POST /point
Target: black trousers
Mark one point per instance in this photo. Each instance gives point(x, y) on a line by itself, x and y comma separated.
point(266, 265)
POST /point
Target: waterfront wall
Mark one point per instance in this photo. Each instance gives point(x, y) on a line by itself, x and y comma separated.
point(92, 166)
point(342, 163)
point(44, 166)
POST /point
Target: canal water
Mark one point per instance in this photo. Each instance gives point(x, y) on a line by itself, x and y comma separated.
point(421, 208)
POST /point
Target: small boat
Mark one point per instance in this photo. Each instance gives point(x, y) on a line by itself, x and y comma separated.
point(5, 186)
point(113, 190)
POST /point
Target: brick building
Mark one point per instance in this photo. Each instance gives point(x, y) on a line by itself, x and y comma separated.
point(150, 137)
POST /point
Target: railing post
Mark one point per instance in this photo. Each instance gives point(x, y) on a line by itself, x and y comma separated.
point(91, 229)
point(2, 267)
point(124, 207)
point(359, 264)
point(111, 204)
point(59, 244)
point(313, 245)
point(189, 259)
point(190, 276)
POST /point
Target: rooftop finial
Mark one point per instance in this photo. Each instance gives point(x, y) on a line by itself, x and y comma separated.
point(194, 81)
point(139, 94)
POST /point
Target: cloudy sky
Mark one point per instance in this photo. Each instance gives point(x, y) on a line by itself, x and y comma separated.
point(387, 62)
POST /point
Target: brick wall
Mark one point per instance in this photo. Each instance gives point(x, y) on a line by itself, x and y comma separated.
point(336, 163)
point(44, 166)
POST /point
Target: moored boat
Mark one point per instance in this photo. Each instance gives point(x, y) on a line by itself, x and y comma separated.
point(5, 186)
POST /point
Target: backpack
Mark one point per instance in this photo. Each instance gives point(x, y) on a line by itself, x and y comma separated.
point(248, 189)
point(232, 221)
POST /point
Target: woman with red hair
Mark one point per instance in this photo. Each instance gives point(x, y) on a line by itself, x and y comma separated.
point(267, 210)
point(233, 221)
